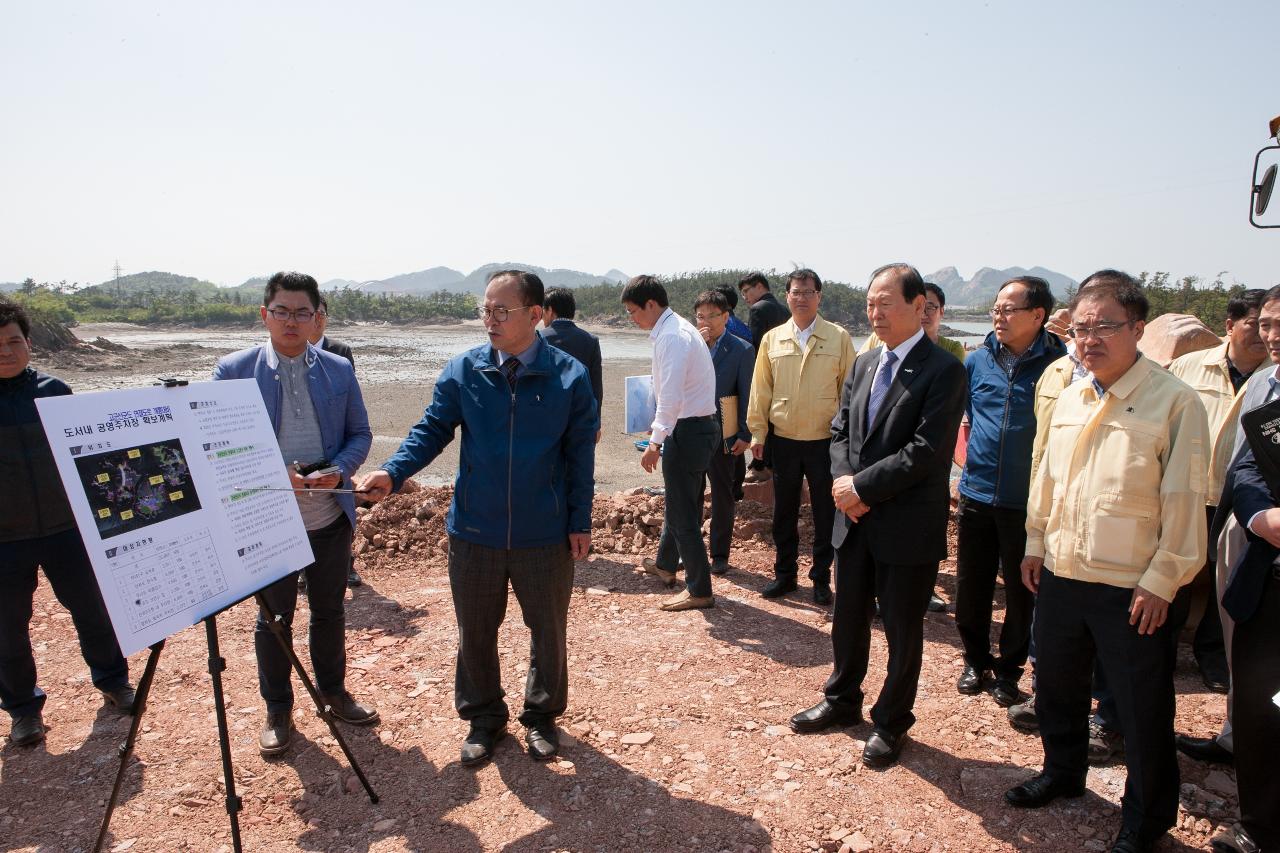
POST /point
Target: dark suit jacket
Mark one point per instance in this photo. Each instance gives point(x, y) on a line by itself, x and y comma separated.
point(582, 345)
point(1250, 576)
point(901, 464)
point(734, 360)
point(766, 314)
point(339, 348)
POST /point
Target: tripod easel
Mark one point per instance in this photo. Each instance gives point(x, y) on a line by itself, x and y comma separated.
point(216, 665)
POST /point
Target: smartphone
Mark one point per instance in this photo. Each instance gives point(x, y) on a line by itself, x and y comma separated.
point(323, 468)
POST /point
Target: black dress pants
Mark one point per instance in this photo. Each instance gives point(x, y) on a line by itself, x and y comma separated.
point(793, 463)
point(327, 635)
point(686, 455)
point(991, 539)
point(903, 593)
point(1255, 720)
point(1076, 620)
point(722, 474)
point(542, 579)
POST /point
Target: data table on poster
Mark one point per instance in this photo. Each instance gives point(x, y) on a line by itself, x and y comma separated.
point(169, 577)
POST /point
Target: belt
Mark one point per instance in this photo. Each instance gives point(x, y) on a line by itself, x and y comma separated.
point(696, 418)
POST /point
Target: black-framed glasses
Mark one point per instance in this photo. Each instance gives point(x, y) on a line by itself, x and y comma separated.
point(707, 318)
point(1101, 331)
point(1006, 312)
point(302, 315)
point(801, 294)
point(499, 314)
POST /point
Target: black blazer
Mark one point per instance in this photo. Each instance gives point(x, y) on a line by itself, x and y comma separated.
point(901, 464)
point(767, 313)
point(339, 348)
point(582, 345)
point(1248, 495)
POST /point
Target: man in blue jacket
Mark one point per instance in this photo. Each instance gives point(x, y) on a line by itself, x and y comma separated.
point(734, 360)
point(318, 414)
point(521, 509)
point(992, 514)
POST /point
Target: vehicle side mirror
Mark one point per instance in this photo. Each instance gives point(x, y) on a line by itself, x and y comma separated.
point(1266, 164)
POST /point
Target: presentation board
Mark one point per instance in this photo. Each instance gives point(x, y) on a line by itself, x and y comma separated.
point(168, 487)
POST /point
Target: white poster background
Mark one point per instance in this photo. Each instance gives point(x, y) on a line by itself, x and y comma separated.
point(640, 406)
point(161, 483)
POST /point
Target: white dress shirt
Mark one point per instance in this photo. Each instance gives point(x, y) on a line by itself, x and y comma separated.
point(802, 335)
point(900, 351)
point(684, 377)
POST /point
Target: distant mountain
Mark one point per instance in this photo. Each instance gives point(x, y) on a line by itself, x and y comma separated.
point(980, 291)
point(475, 282)
point(9, 286)
point(339, 284)
point(142, 282)
point(436, 278)
point(617, 276)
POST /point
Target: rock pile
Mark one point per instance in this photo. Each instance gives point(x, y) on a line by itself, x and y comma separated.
point(624, 523)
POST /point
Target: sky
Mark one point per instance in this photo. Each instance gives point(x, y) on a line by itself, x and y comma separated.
point(227, 140)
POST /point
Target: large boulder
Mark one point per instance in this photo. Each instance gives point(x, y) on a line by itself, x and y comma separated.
point(1171, 335)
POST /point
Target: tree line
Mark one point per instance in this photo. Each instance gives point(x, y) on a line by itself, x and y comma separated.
point(600, 303)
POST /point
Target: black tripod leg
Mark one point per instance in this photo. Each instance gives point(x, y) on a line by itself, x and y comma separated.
point(216, 666)
point(126, 748)
point(276, 624)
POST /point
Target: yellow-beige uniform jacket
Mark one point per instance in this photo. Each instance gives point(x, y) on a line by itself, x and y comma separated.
point(1120, 492)
point(796, 390)
point(1207, 373)
point(1056, 377)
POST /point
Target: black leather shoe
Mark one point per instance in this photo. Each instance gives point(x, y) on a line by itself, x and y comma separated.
point(478, 747)
point(779, 587)
point(1128, 841)
point(121, 698)
point(1206, 749)
point(543, 742)
point(719, 565)
point(27, 730)
point(1216, 680)
point(1005, 692)
point(936, 604)
point(821, 593)
point(353, 579)
point(1042, 790)
point(348, 710)
point(822, 716)
point(274, 737)
point(970, 681)
point(882, 750)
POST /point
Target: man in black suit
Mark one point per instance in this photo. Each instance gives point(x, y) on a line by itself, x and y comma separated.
point(1252, 600)
point(734, 359)
point(891, 448)
point(766, 313)
point(559, 330)
point(328, 344)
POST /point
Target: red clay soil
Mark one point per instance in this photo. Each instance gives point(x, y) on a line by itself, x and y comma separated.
point(675, 738)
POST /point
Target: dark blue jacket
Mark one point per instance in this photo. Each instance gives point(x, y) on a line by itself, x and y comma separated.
point(740, 329)
point(582, 345)
point(734, 361)
point(526, 471)
point(1002, 422)
point(32, 500)
point(1247, 494)
point(335, 395)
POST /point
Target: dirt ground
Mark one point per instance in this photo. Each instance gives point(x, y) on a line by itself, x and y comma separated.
point(675, 737)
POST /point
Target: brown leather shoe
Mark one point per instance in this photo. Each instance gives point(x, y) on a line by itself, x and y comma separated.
point(274, 737)
point(684, 601)
point(651, 567)
point(121, 698)
point(348, 710)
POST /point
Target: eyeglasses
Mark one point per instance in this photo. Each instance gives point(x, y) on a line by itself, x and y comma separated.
point(801, 294)
point(1100, 331)
point(302, 315)
point(498, 314)
point(1006, 312)
point(931, 309)
point(707, 318)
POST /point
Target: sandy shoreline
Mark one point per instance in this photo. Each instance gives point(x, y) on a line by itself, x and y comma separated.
point(394, 405)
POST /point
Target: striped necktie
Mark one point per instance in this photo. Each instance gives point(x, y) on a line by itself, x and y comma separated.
point(880, 386)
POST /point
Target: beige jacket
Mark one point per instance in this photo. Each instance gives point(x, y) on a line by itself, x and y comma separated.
point(798, 391)
point(1207, 374)
point(1049, 386)
point(1119, 495)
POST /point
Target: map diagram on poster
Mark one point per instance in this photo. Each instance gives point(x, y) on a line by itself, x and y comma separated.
point(182, 500)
